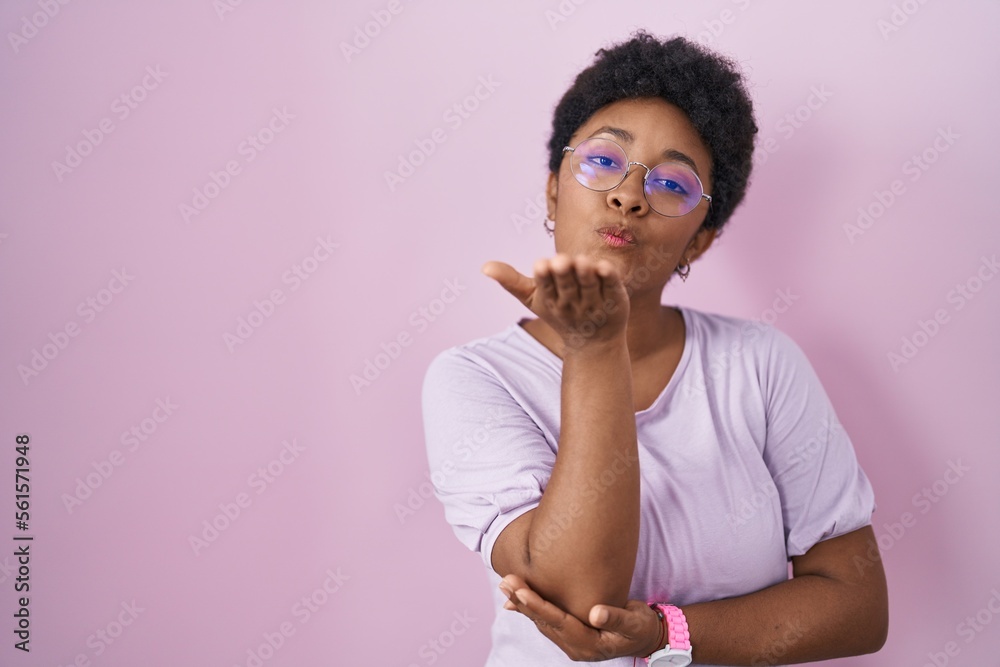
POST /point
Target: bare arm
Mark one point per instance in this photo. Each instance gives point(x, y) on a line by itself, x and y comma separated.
point(835, 606)
point(578, 547)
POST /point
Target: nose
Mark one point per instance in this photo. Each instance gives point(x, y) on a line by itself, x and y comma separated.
point(629, 195)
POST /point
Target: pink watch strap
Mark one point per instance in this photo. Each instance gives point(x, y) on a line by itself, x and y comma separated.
point(678, 636)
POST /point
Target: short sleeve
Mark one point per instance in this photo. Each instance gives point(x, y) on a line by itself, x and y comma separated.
point(824, 492)
point(489, 461)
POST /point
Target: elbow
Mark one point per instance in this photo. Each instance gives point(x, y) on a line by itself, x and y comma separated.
point(579, 603)
point(871, 637)
point(879, 619)
point(572, 590)
point(878, 632)
point(569, 579)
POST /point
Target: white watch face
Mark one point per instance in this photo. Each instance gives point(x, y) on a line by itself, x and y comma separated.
point(672, 660)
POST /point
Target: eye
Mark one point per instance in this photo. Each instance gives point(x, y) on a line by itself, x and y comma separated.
point(602, 161)
point(669, 185)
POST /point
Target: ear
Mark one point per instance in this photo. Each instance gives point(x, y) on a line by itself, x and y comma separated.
point(552, 194)
point(699, 244)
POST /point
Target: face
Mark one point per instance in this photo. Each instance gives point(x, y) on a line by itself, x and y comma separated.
point(647, 128)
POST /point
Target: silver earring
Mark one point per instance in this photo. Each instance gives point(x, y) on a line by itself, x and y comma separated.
point(551, 229)
point(685, 272)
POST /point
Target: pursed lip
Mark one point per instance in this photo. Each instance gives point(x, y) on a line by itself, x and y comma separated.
point(621, 232)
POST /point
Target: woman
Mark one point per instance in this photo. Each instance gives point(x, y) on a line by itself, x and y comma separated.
point(637, 476)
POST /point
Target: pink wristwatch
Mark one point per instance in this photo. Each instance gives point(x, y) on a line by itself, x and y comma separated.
point(677, 652)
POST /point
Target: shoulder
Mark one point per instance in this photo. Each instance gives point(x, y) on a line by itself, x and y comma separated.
point(717, 333)
point(738, 347)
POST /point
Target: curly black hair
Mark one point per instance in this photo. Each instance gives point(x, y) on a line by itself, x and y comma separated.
point(706, 85)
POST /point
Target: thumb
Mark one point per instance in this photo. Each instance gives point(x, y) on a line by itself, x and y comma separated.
point(521, 286)
point(608, 617)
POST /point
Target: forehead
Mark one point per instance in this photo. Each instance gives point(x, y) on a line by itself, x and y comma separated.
point(656, 124)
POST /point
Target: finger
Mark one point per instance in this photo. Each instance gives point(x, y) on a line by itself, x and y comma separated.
point(545, 283)
point(510, 279)
point(587, 277)
point(611, 283)
point(540, 610)
point(513, 581)
point(518, 592)
point(565, 279)
point(508, 585)
point(512, 603)
point(578, 640)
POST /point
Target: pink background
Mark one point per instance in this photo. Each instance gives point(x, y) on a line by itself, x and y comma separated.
point(332, 506)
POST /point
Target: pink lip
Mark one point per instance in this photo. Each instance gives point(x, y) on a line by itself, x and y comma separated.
point(616, 237)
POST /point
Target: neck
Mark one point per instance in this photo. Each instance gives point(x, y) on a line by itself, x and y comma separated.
point(651, 327)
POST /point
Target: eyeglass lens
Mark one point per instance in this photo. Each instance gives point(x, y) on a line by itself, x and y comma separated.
point(671, 188)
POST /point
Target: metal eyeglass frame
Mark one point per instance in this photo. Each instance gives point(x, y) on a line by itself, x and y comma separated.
point(628, 169)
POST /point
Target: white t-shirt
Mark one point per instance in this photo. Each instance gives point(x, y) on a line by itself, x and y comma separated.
point(743, 463)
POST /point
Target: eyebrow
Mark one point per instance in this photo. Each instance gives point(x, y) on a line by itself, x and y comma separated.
point(669, 154)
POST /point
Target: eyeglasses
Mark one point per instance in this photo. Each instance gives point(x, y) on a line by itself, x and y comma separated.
point(671, 188)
